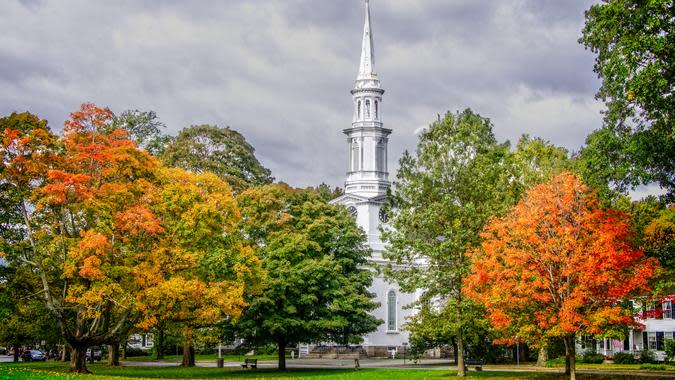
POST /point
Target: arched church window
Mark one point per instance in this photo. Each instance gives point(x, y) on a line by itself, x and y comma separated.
point(377, 111)
point(367, 108)
point(358, 109)
point(391, 311)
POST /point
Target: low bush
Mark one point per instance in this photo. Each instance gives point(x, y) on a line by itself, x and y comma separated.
point(131, 352)
point(670, 349)
point(657, 367)
point(647, 357)
point(592, 357)
point(625, 358)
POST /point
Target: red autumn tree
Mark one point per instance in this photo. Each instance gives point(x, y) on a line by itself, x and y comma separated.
point(557, 265)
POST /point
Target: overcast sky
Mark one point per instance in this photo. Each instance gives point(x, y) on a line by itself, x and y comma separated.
point(280, 72)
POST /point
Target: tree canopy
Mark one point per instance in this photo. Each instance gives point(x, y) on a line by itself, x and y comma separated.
point(222, 151)
point(635, 45)
point(558, 265)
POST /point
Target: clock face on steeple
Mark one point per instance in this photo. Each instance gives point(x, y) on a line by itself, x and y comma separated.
point(352, 210)
point(384, 217)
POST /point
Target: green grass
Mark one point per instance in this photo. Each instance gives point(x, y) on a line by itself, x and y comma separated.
point(58, 371)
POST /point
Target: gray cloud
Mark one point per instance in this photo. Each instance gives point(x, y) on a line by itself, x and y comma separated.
point(280, 71)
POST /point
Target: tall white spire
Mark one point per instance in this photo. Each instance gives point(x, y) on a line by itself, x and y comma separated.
point(367, 67)
point(367, 174)
point(367, 76)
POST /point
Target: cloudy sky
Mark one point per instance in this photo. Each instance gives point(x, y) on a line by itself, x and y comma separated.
point(280, 71)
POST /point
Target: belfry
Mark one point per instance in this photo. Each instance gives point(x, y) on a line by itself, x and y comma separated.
point(367, 138)
point(366, 190)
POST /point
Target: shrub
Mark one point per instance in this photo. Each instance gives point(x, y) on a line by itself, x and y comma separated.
point(670, 349)
point(658, 367)
point(647, 357)
point(130, 352)
point(592, 357)
point(624, 358)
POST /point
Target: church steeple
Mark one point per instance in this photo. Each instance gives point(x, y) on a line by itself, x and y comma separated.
point(367, 76)
point(367, 67)
point(367, 175)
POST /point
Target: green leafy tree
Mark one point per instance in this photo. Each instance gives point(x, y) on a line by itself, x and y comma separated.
point(659, 242)
point(536, 161)
point(316, 288)
point(459, 177)
point(24, 318)
point(326, 192)
point(222, 151)
point(635, 45)
point(145, 129)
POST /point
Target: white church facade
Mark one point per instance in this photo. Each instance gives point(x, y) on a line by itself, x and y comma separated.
point(366, 187)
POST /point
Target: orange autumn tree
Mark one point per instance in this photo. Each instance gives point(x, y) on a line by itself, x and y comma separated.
point(101, 239)
point(74, 192)
point(557, 265)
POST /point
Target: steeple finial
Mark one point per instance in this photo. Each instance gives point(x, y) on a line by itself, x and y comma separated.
point(367, 66)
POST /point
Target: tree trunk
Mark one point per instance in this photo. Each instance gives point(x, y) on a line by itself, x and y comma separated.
point(188, 354)
point(114, 354)
point(460, 355)
point(542, 358)
point(78, 359)
point(454, 349)
point(125, 341)
point(16, 352)
point(570, 359)
point(282, 354)
point(159, 346)
point(64, 352)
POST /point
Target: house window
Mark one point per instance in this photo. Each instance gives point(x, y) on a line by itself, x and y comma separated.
point(668, 309)
point(391, 311)
point(367, 108)
point(377, 111)
point(358, 109)
point(651, 340)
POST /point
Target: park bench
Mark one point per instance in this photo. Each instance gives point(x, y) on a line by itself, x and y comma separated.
point(253, 363)
point(471, 362)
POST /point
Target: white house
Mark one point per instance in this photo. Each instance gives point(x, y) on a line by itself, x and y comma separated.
point(659, 327)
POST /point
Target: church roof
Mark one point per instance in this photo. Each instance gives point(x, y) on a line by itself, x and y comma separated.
point(351, 198)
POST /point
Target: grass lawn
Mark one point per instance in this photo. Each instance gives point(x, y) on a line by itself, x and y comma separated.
point(58, 371)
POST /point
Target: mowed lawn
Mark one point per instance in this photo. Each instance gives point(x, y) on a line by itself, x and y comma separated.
point(58, 371)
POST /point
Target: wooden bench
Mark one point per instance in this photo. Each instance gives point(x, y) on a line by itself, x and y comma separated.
point(477, 363)
point(252, 363)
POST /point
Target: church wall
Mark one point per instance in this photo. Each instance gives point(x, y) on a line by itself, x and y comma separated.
point(382, 337)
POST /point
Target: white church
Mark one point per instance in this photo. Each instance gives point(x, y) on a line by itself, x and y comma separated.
point(365, 191)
